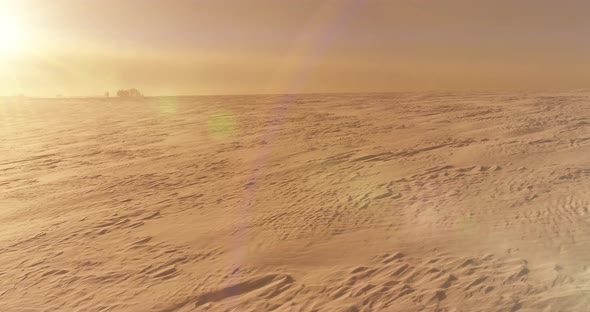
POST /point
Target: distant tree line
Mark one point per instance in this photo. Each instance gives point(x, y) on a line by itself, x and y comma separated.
point(129, 93)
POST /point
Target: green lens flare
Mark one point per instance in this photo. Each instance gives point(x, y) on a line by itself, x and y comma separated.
point(468, 228)
point(221, 125)
point(166, 106)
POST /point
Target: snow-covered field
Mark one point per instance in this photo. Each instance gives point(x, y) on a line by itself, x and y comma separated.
point(340, 202)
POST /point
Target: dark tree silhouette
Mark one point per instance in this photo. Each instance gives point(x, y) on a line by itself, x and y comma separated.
point(129, 93)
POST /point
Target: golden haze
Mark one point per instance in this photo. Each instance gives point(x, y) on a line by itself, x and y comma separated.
point(235, 47)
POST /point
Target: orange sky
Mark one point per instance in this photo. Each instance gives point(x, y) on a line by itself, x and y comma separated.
point(86, 47)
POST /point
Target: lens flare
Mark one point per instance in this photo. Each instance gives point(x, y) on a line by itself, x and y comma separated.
point(221, 125)
point(166, 106)
point(468, 227)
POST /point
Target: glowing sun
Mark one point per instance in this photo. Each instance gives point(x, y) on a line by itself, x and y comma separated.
point(13, 34)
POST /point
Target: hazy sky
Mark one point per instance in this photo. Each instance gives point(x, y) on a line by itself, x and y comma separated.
point(86, 47)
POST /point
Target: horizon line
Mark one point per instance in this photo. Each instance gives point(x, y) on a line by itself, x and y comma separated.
point(296, 93)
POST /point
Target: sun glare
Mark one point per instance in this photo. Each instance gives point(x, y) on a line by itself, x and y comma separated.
point(13, 34)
